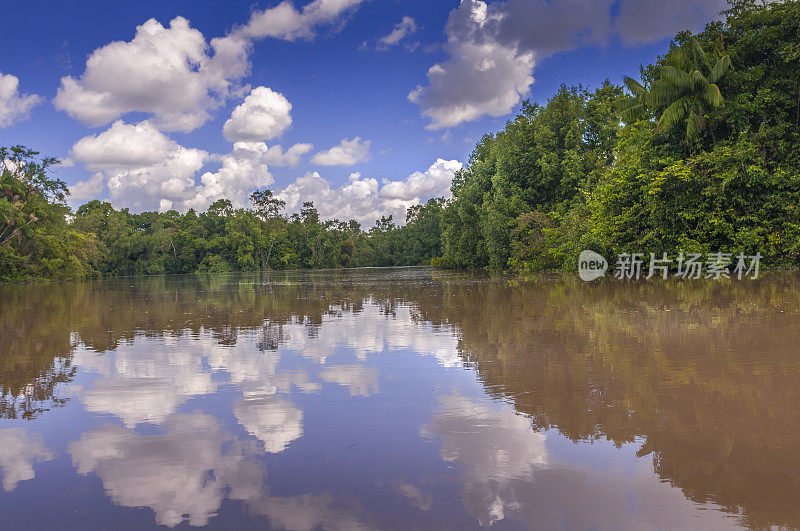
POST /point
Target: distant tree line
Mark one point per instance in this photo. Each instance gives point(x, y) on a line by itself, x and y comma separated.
point(700, 154)
point(41, 240)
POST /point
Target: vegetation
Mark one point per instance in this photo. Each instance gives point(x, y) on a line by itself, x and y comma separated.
point(39, 243)
point(701, 154)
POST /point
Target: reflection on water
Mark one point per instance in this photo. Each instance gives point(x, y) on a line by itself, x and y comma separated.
point(399, 399)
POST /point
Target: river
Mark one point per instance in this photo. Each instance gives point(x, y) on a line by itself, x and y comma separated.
point(399, 399)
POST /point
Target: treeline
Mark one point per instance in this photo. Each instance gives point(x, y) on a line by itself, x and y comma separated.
point(700, 154)
point(41, 239)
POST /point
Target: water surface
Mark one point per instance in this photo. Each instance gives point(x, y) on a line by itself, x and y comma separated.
point(399, 399)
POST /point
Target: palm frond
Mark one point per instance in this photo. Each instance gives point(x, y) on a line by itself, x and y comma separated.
point(719, 69)
point(712, 95)
point(677, 77)
point(673, 114)
point(663, 93)
point(700, 57)
point(692, 127)
point(632, 113)
point(634, 86)
point(677, 57)
point(698, 80)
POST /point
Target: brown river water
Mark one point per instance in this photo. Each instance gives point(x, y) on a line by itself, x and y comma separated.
point(400, 399)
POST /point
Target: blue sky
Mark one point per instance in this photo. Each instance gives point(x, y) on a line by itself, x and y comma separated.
point(405, 129)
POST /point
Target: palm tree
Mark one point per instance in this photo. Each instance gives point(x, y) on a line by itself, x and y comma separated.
point(635, 108)
point(688, 88)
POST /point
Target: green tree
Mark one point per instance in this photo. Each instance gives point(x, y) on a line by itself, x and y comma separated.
point(687, 88)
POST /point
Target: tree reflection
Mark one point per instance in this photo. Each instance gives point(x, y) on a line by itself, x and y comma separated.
point(705, 373)
point(703, 376)
point(35, 351)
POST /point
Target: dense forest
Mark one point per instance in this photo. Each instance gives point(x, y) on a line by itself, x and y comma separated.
point(701, 153)
point(41, 239)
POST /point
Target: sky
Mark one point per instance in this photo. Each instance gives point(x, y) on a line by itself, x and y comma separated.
point(365, 107)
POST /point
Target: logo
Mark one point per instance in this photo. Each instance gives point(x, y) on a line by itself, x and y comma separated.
point(591, 265)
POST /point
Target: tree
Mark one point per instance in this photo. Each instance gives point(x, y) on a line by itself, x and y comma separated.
point(688, 87)
point(28, 195)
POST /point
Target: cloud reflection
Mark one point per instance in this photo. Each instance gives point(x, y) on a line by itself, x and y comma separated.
point(274, 421)
point(492, 445)
point(362, 381)
point(19, 450)
point(181, 474)
point(373, 330)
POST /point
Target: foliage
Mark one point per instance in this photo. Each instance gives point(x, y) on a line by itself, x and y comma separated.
point(35, 240)
point(668, 166)
point(689, 171)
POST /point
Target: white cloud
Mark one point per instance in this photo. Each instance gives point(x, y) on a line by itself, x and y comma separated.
point(364, 199)
point(144, 169)
point(18, 452)
point(167, 72)
point(124, 145)
point(309, 512)
point(14, 106)
point(83, 191)
point(242, 170)
point(143, 166)
point(370, 332)
point(284, 21)
point(144, 381)
point(177, 76)
point(347, 153)
point(275, 155)
point(263, 115)
point(477, 79)
point(407, 26)
point(434, 182)
point(493, 47)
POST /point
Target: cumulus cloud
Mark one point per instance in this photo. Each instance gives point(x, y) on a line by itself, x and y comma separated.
point(275, 156)
point(284, 21)
point(124, 145)
point(144, 382)
point(83, 191)
point(167, 72)
point(176, 75)
point(263, 115)
point(144, 169)
point(309, 512)
point(19, 450)
point(14, 106)
point(407, 26)
point(493, 47)
point(364, 199)
point(346, 153)
point(243, 169)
